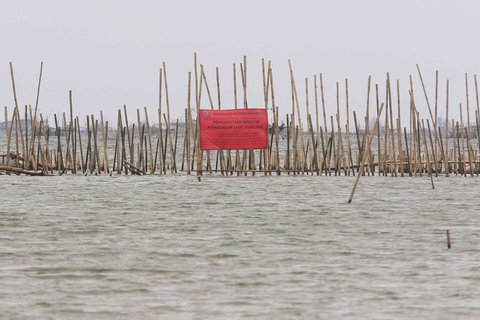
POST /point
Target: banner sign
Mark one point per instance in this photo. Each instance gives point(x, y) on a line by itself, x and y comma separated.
point(233, 129)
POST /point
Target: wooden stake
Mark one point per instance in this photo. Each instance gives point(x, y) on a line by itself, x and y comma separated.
point(359, 172)
point(449, 245)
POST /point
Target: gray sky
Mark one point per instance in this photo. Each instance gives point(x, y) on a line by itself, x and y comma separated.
point(109, 52)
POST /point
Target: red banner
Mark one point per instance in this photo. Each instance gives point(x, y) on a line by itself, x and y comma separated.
point(233, 129)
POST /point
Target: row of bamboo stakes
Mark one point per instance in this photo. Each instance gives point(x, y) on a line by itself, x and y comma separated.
point(321, 146)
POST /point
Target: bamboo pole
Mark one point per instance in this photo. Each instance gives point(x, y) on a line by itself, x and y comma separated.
point(9, 133)
point(167, 101)
point(468, 129)
point(59, 146)
point(219, 104)
point(392, 128)
point(316, 123)
point(26, 156)
point(340, 163)
point(425, 93)
point(477, 112)
point(362, 163)
point(429, 164)
point(408, 153)
point(413, 131)
point(386, 165)
point(188, 122)
point(349, 150)
point(161, 162)
point(116, 158)
point(298, 118)
point(323, 104)
point(197, 130)
point(433, 152)
point(265, 152)
point(447, 164)
point(104, 145)
point(66, 133)
point(399, 132)
point(204, 79)
point(287, 158)
point(463, 138)
point(149, 135)
point(455, 164)
point(40, 154)
point(235, 101)
point(80, 145)
point(96, 162)
point(130, 142)
point(13, 86)
point(243, 73)
point(70, 126)
point(34, 123)
point(332, 147)
point(367, 125)
point(22, 140)
point(175, 147)
point(420, 165)
point(379, 142)
point(310, 138)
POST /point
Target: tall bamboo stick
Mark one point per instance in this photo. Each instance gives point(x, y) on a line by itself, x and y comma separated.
point(359, 172)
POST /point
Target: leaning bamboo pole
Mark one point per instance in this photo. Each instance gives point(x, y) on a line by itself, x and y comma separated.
point(362, 163)
point(34, 122)
point(477, 113)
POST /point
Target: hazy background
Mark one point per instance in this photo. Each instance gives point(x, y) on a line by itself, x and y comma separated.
point(109, 52)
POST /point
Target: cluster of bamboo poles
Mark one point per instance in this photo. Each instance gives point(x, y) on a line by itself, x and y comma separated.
point(321, 146)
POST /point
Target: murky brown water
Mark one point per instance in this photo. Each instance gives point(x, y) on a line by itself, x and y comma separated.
point(170, 247)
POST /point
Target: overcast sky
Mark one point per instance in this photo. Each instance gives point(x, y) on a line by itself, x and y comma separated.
point(109, 52)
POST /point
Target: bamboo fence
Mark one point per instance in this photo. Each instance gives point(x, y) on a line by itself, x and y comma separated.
point(306, 142)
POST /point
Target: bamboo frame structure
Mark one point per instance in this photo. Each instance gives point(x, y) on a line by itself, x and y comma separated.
point(304, 144)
